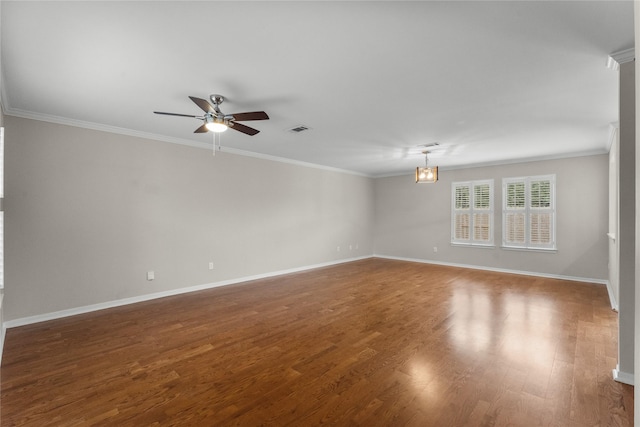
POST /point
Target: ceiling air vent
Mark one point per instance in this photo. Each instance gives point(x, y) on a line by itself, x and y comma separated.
point(299, 129)
point(431, 144)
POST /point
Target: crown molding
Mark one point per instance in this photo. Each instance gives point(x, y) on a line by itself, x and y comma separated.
point(99, 127)
point(616, 59)
point(155, 137)
point(560, 156)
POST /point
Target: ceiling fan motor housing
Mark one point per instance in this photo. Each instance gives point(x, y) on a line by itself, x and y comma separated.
point(216, 99)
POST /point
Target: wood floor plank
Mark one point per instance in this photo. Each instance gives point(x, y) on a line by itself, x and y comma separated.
point(367, 343)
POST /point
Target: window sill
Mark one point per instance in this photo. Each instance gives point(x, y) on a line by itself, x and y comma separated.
point(515, 248)
point(473, 245)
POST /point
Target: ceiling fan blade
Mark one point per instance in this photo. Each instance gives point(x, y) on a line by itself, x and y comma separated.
point(174, 114)
point(201, 129)
point(242, 128)
point(254, 115)
point(206, 107)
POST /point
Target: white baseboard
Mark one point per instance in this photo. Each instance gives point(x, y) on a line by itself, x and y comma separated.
point(117, 303)
point(498, 270)
point(612, 298)
point(622, 377)
point(3, 333)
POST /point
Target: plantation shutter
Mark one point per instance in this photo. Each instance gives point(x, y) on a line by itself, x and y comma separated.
point(472, 213)
point(514, 216)
point(461, 213)
point(540, 227)
point(482, 213)
point(529, 212)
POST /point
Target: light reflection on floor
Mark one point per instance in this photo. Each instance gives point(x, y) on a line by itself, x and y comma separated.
point(509, 349)
point(511, 327)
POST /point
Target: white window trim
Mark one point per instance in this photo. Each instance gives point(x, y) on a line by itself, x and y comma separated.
point(528, 210)
point(490, 211)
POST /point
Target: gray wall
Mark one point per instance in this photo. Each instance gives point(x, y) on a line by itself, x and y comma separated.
point(88, 213)
point(410, 219)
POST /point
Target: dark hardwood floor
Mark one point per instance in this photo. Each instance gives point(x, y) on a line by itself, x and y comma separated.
point(370, 343)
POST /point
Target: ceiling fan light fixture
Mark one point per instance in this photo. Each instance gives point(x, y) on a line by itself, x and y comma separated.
point(217, 127)
point(214, 125)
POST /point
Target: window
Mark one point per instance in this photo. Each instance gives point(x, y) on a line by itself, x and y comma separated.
point(529, 212)
point(472, 213)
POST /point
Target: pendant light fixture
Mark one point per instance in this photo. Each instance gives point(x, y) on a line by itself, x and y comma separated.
point(426, 175)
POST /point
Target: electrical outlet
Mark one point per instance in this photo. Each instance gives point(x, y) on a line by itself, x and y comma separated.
point(435, 249)
point(211, 265)
point(338, 249)
point(151, 275)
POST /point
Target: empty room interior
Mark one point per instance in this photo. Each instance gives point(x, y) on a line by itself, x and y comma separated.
point(375, 213)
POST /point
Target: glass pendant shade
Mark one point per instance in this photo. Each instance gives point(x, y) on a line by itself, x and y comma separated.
point(426, 175)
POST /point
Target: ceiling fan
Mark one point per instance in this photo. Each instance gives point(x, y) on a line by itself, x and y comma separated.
point(216, 121)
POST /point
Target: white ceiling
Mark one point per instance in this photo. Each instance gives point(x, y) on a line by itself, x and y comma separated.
point(492, 82)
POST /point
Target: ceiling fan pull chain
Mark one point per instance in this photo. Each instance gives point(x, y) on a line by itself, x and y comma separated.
point(219, 138)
